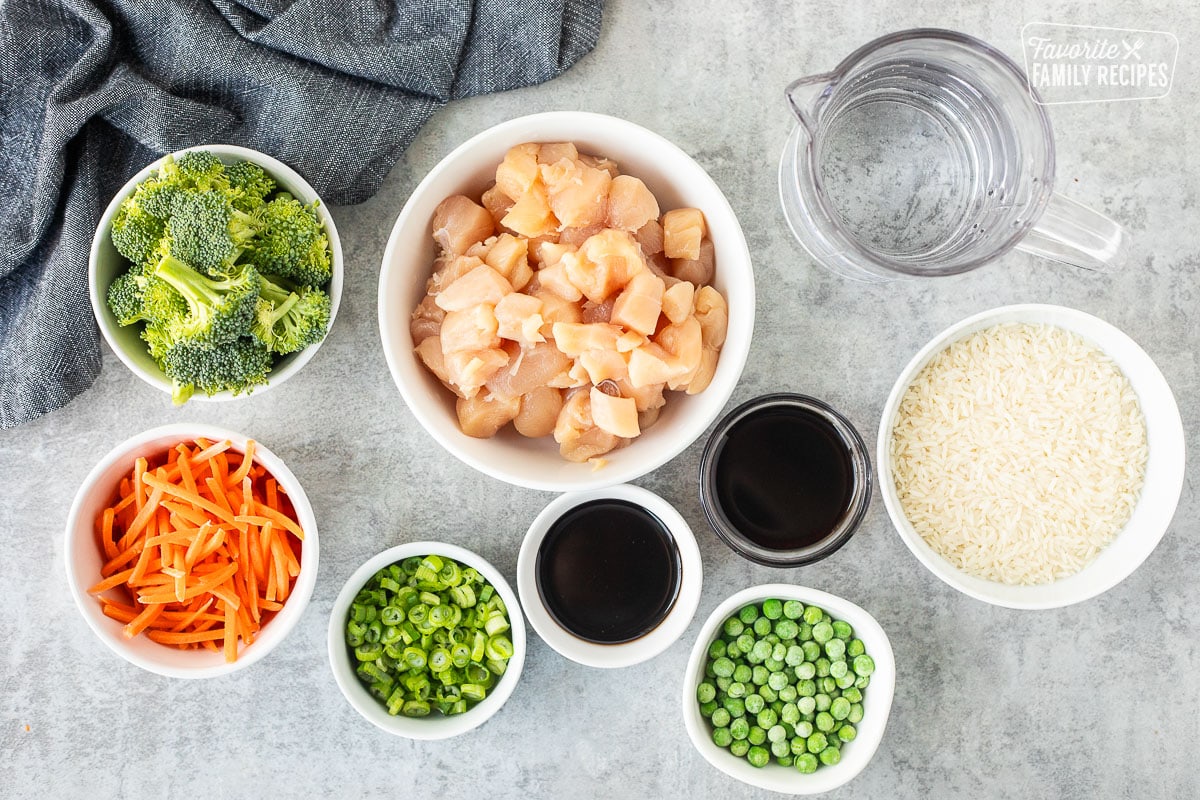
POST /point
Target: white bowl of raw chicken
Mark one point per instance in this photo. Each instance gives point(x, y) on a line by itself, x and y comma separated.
point(677, 182)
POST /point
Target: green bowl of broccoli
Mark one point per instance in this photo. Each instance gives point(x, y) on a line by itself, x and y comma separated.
point(215, 272)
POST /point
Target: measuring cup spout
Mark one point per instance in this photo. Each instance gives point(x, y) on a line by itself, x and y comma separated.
point(804, 95)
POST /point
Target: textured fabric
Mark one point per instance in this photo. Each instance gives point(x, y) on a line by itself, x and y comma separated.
point(91, 91)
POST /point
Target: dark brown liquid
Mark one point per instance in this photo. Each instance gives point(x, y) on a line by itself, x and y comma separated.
point(608, 571)
point(784, 478)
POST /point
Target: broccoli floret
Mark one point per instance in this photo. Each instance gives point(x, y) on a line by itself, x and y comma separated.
point(158, 341)
point(292, 243)
point(196, 169)
point(249, 186)
point(287, 321)
point(135, 231)
point(236, 366)
point(207, 232)
point(218, 311)
point(125, 297)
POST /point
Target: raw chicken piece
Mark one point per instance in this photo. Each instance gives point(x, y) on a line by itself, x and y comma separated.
point(531, 215)
point(539, 411)
point(459, 222)
point(447, 270)
point(650, 364)
point(551, 152)
point(630, 204)
point(556, 309)
point(481, 285)
point(519, 317)
point(578, 193)
point(616, 415)
point(470, 369)
point(518, 170)
point(712, 312)
point(555, 279)
point(483, 415)
point(577, 236)
point(648, 417)
point(629, 340)
point(507, 255)
point(603, 365)
point(471, 328)
point(705, 372)
point(650, 237)
point(426, 320)
point(430, 353)
point(677, 301)
point(527, 369)
point(645, 398)
point(683, 229)
point(638, 305)
point(606, 164)
point(604, 264)
point(598, 312)
point(551, 253)
point(577, 435)
point(699, 270)
point(576, 338)
point(684, 341)
point(497, 203)
point(481, 249)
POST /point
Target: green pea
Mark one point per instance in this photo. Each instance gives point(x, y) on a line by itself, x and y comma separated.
point(806, 670)
point(708, 670)
point(745, 642)
point(762, 626)
point(766, 718)
point(760, 674)
point(739, 747)
point(846, 681)
point(793, 609)
point(754, 703)
point(805, 632)
point(788, 694)
point(722, 737)
point(748, 614)
point(742, 673)
point(812, 651)
point(806, 705)
point(856, 714)
point(842, 629)
point(761, 651)
point(721, 718)
point(774, 665)
point(822, 632)
point(824, 722)
point(717, 649)
point(855, 648)
point(785, 760)
point(817, 742)
point(830, 756)
point(777, 681)
point(806, 688)
point(790, 713)
point(757, 735)
point(735, 706)
point(739, 728)
point(838, 668)
point(828, 685)
point(776, 733)
point(737, 689)
point(771, 639)
point(779, 652)
point(786, 629)
point(723, 683)
point(823, 701)
point(812, 615)
point(835, 649)
point(723, 667)
point(772, 609)
point(806, 763)
point(862, 682)
point(705, 692)
point(707, 709)
point(734, 626)
point(794, 656)
point(781, 748)
point(758, 756)
point(847, 733)
point(768, 693)
point(852, 694)
point(804, 729)
point(864, 665)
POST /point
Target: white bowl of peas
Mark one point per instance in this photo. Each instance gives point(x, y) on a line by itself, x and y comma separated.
point(789, 688)
point(426, 640)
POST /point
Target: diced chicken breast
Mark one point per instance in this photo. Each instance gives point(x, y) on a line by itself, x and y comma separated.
point(616, 415)
point(551, 253)
point(531, 215)
point(599, 162)
point(473, 328)
point(576, 338)
point(552, 152)
point(578, 437)
point(426, 320)
point(518, 170)
point(629, 340)
point(677, 301)
point(578, 193)
point(539, 411)
point(698, 270)
point(630, 204)
point(459, 222)
point(556, 309)
point(638, 305)
point(470, 369)
point(519, 318)
point(556, 280)
point(447, 270)
point(684, 341)
point(598, 312)
point(577, 236)
point(429, 350)
point(651, 364)
point(650, 237)
point(483, 415)
point(603, 365)
point(481, 285)
point(604, 264)
point(705, 372)
point(646, 397)
point(528, 369)
point(683, 228)
point(497, 203)
point(712, 312)
point(506, 255)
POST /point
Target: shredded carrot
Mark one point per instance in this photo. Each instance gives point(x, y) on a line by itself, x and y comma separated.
point(196, 548)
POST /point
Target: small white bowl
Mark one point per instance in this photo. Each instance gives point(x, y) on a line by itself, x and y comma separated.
point(677, 181)
point(84, 558)
point(1164, 466)
point(105, 264)
point(434, 726)
point(877, 697)
point(626, 654)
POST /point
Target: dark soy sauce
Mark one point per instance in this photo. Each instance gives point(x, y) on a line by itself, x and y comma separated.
point(608, 571)
point(784, 478)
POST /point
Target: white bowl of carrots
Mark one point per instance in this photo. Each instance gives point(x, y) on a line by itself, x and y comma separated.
point(191, 550)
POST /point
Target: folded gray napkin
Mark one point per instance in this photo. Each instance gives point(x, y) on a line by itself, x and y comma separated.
point(93, 90)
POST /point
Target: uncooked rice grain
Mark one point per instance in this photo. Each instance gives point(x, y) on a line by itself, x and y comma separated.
point(1019, 453)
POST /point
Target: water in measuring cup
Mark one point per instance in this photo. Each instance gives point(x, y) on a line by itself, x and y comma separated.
point(915, 163)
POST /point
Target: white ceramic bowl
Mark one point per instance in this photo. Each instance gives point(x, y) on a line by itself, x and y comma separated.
point(434, 726)
point(628, 653)
point(105, 264)
point(1164, 466)
point(677, 181)
point(84, 558)
point(877, 697)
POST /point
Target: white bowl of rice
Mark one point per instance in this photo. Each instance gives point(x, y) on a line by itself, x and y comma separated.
point(1031, 456)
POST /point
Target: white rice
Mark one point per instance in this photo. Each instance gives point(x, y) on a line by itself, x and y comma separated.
point(1019, 453)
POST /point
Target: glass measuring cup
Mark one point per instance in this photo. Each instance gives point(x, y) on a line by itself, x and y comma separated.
point(924, 153)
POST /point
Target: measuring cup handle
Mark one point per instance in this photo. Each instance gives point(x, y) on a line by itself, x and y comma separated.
point(1074, 234)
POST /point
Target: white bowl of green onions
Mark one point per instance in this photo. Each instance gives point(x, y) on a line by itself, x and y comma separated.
point(426, 640)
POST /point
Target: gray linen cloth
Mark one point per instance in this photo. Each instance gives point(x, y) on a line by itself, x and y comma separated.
point(93, 90)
